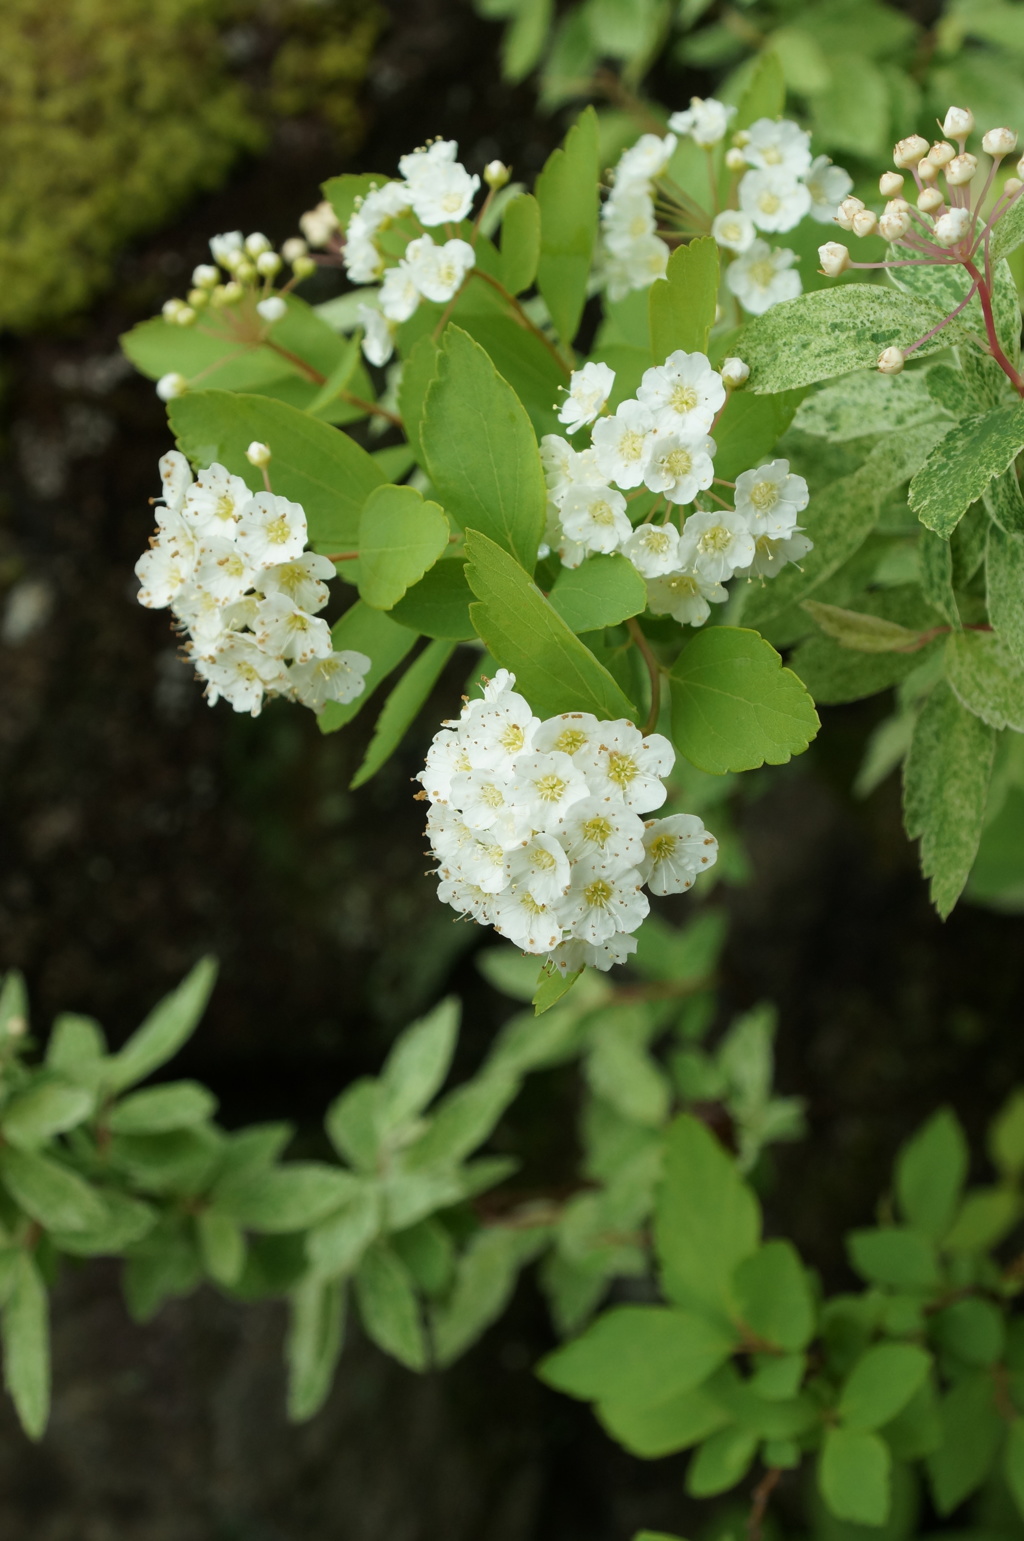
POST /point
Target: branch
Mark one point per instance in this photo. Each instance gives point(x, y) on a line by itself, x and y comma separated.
point(653, 671)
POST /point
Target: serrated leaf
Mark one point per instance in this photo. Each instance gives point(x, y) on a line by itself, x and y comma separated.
point(986, 678)
point(853, 1476)
point(524, 633)
point(931, 1169)
point(26, 1343)
point(382, 639)
point(962, 465)
point(159, 1108)
point(602, 591)
point(401, 708)
point(862, 633)
point(567, 192)
point(401, 535)
point(419, 370)
point(734, 707)
point(867, 403)
point(462, 1121)
point(481, 452)
point(168, 1027)
point(316, 1332)
point(520, 243)
point(945, 786)
point(1004, 581)
point(684, 302)
point(1002, 497)
point(1008, 232)
point(881, 1384)
point(707, 1219)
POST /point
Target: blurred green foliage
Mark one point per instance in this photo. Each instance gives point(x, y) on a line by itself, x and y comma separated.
point(114, 112)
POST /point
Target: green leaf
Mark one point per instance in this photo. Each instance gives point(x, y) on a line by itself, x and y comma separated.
point(287, 1198)
point(832, 331)
point(750, 428)
point(945, 786)
point(602, 591)
point(986, 677)
point(419, 371)
point(354, 1123)
point(160, 1108)
point(481, 452)
point(1009, 231)
point(860, 632)
point(52, 1194)
point(314, 464)
point(382, 640)
point(401, 709)
point(986, 1216)
point(620, 1070)
point(463, 1120)
point(638, 1356)
point(438, 606)
point(415, 1070)
point(867, 403)
point(765, 94)
point(26, 1343)
point(1013, 1461)
point(125, 1222)
point(666, 1427)
point(1006, 1136)
point(567, 192)
point(931, 1169)
point(962, 465)
point(734, 707)
point(388, 1307)
point(972, 1330)
point(853, 1476)
point(524, 633)
point(1004, 579)
point(343, 192)
point(881, 1384)
point(1002, 497)
point(520, 243)
point(336, 1244)
point(157, 348)
point(706, 1218)
point(551, 987)
point(340, 376)
point(168, 1027)
point(935, 568)
point(971, 1431)
point(484, 1284)
point(181, 1161)
point(45, 1108)
point(773, 1297)
point(316, 1331)
point(400, 536)
point(894, 1255)
point(723, 1460)
point(77, 1049)
point(525, 37)
point(222, 1246)
point(684, 302)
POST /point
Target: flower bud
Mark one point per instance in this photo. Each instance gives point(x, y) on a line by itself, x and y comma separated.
point(958, 122)
point(1012, 186)
point(735, 159)
point(890, 361)
point(961, 169)
point(169, 386)
point(320, 224)
point(267, 264)
point(741, 138)
point(272, 308)
point(256, 243)
point(303, 267)
point(927, 171)
point(865, 223)
point(734, 373)
point(893, 227)
point(909, 151)
point(258, 454)
point(294, 247)
point(890, 183)
point(952, 227)
point(197, 298)
point(185, 316)
point(846, 211)
point(17, 1027)
point(170, 308)
point(930, 200)
point(205, 276)
point(834, 258)
point(244, 271)
point(230, 294)
point(941, 153)
point(496, 174)
point(999, 142)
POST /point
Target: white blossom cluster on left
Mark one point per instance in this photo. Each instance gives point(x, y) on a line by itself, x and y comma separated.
point(232, 567)
point(539, 831)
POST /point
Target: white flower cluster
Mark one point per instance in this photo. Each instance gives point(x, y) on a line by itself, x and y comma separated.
point(659, 441)
point(781, 183)
point(232, 567)
point(538, 827)
point(435, 190)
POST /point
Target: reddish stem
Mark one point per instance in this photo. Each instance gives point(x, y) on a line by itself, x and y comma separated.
point(985, 296)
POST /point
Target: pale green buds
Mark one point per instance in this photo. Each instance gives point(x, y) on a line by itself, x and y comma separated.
point(258, 454)
point(294, 248)
point(268, 263)
point(303, 267)
point(169, 386)
point(496, 175)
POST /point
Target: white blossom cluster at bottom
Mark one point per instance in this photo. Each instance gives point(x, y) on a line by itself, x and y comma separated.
point(538, 827)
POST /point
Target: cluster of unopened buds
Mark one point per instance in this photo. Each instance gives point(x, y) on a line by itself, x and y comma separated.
point(539, 831)
point(659, 443)
point(232, 567)
point(243, 274)
point(775, 183)
point(945, 225)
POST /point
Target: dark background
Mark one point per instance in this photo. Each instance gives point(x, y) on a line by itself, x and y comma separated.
point(141, 829)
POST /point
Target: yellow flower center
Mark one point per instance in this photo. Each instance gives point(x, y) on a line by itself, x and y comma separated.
point(679, 462)
point(764, 495)
point(773, 155)
point(598, 830)
point(662, 847)
point(769, 203)
point(513, 738)
point(550, 789)
point(530, 904)
point(542, 859)
point(631, 445)
point(225, 507)
point(622, 768)
point(598, 894)
point(278, 532)
point(683, 398)
point(491, 795)
point(602, 512)
point(683, 585)
point(570, 740)
point(716, 539)
point(762, 273)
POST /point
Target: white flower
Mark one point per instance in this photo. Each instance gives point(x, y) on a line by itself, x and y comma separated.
point(399, 295)
point(569, 732)
point(483, 797)
point(446, 758)
point(627, 218)
point(288, 632)
point(213, 502)
point(239, 670)
point(228, 247)
point(643, 264)
point(828, 185)
point(272, 308)
point(774, 200)
point(175, 479)
point(303, 581)
point(542, 868)
point(629, 767)
point(653, 549)
point(677, 849)
point(170, 386)
point(770, 497)
point(771, 556)
point(606, 830)
point(573, 955)
point(319, 225)
point(496, 732)
point(204, 617)
point(595, 518)
point(484, 863)
point(602, 902)
point(644, 160)
point(378, 339)
point(271, 530)
point(706, 121)
point(778, 146)
point(163, 571)
point(545, 786)
point(762, 277)
point(528, 925)
point(680, 467)
point(623, 443)
point(686, 596)
point(338, 677)
point(683, 394)
point(222, 569)
point(589, 389)
point(733, 229)
point(440, 189)
point(438, 271)
point(716, 543)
